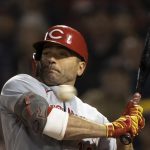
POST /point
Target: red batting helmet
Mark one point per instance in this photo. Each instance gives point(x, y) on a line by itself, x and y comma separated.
point(65, 36)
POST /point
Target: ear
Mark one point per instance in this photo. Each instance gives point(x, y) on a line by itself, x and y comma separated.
point(81, 68)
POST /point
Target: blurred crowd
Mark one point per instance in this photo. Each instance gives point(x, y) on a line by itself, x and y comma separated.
point(115, 32)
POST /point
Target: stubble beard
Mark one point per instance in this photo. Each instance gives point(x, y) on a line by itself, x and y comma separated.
point(43, 74)
point(50, 79)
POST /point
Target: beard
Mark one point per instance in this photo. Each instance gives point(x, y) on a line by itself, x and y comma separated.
point(49, 74)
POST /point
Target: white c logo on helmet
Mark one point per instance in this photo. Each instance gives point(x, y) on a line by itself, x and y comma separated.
point(55, 37)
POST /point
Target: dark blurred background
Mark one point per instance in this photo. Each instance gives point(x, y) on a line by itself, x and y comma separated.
point(115, 32)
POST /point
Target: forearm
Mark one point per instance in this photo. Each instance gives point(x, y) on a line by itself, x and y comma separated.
point(79, 128)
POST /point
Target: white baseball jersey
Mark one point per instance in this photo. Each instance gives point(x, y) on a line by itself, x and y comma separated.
point(19, 137)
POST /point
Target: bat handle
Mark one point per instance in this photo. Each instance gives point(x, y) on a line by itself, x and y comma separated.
point(126, 139)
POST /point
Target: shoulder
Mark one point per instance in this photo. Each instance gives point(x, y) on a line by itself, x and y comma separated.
point(22, 83)
point(20, 79)
point(90, 112)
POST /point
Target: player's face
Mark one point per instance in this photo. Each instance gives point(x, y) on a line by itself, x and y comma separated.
point(60, 66)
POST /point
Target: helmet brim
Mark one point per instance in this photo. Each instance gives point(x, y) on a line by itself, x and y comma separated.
point(39, 45)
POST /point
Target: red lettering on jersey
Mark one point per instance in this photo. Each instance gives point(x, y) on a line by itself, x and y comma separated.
point(59, 107)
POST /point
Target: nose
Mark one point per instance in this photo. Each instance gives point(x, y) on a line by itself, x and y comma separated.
point(52, 60)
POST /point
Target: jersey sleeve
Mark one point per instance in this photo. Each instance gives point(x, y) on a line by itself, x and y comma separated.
point(16, 86)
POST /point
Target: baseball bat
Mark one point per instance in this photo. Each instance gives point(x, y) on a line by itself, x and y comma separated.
point(143, 72)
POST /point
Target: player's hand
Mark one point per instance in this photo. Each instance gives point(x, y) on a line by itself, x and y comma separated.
point(134, 101)
point(118, 127)
point(123, 125)
point(131, 123)
point(137, 111)
point(133, 109)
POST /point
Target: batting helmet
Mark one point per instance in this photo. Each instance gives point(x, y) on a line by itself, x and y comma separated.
point(65, 36)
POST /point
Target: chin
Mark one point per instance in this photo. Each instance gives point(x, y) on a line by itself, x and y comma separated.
point(51, 83)
point(50, 80)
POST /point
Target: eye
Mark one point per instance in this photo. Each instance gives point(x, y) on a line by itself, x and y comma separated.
point(64, 54)
point(45, 53)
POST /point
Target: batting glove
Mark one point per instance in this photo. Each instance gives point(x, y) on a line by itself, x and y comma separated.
point(133, 109)
point(118, 127)
point(131, 123)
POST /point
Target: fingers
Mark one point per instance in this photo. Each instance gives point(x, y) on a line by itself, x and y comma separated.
point(134, 126)
point(142, 123)
point(138, 121)
point(136, 110)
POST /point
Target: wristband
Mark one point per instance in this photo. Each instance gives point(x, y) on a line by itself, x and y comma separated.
point(56, 124)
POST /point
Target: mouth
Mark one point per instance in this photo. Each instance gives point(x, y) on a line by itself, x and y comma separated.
point(50, 69)
point(53, 69)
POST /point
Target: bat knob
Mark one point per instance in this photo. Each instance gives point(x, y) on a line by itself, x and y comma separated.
point(126, 139)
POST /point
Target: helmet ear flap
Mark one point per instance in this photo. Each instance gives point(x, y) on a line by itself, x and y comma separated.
point(34, 66)
point(37, 55)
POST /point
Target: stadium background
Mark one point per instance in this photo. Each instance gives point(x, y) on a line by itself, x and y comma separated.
point(115, 31)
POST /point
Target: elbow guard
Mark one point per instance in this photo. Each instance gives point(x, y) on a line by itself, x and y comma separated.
point(32, 109)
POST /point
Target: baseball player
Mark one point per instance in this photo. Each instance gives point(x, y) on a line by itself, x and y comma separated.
point(36, 117)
